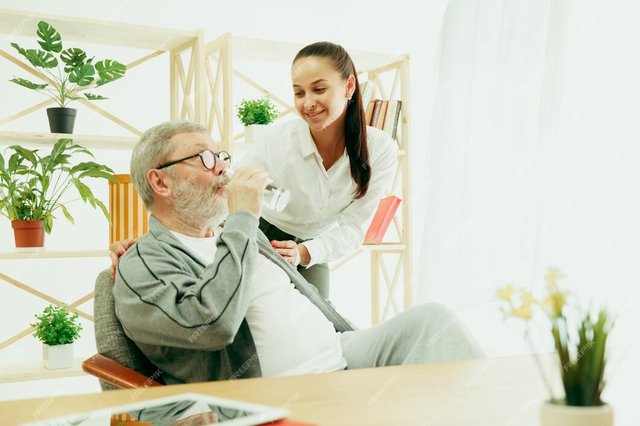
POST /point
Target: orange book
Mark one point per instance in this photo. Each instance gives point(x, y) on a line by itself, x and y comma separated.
point(369, 112)
point(381, 219)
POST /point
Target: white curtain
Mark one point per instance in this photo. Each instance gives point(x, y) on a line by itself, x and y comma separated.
point(521, 172)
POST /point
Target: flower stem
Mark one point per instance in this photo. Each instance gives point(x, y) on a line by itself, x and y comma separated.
point(539, 364)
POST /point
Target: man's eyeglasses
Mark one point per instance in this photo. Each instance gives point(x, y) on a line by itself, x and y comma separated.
point(207, 157)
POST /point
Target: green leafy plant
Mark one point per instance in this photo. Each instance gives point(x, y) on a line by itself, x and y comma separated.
point(256, 111)
point(579, 337)
point(65, 72)
point(56, 326)
point(31, 186)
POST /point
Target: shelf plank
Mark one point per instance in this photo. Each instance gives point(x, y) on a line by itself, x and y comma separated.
point(385, 247)
point(35, 371)
point(24, 23)
point(54, 254)
point(280, 51)
point(88, 141)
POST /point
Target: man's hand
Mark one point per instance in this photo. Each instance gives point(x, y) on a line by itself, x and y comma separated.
point(245, 189)
point(116, 250)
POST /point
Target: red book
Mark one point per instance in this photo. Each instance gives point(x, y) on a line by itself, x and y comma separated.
point(381, 220)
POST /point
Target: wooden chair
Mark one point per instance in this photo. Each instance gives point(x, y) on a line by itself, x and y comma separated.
point(119, 364)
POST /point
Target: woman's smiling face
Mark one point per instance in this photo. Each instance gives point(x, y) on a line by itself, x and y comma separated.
point(319, 91)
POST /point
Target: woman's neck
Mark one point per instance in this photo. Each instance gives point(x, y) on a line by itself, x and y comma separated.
point(330, 143)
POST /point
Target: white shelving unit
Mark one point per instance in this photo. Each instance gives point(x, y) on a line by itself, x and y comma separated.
point(186, 83)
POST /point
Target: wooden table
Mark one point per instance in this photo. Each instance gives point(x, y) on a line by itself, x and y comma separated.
point(498, 391)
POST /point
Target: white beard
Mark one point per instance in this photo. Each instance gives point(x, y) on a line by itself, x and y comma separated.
point(198, 206)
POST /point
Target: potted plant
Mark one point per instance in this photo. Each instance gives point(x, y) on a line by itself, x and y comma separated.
point(255, 112)
point(580, 338)
point(32, 186)
point(66, 73)
point(57, 329)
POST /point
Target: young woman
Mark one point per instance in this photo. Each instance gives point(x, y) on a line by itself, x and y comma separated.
point(335, 166)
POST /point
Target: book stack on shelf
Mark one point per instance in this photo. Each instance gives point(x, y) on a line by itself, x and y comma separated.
point(384, 115)
point(381, 113)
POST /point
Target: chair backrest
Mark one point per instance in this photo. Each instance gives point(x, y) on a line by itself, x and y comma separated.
point(110, 338)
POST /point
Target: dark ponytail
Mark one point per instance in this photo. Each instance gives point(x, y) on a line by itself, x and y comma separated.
point(355, 127)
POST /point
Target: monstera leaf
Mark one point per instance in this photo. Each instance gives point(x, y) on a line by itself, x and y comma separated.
point(82, 75)
point(28, 84)
point(73, 58)
point(51, 40)
point(92, 97)
point(109, 70)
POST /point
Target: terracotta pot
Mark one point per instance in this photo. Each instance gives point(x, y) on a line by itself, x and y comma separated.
point(567, 415)
point(29, 234)
point(57, 356)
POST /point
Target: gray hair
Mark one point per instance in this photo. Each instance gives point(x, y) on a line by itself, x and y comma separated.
point(152, 149)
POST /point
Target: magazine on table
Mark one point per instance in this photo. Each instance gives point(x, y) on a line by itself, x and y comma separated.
point(187, 409)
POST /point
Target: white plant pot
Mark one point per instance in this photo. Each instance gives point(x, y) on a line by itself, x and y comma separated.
point(57, 356)
point(567, 415)
point(250, 132)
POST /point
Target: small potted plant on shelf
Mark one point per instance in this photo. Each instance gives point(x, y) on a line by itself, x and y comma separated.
point(255, 112)
point(66, 73)
point(580, 339)
point(57, 329)
point(32, 186)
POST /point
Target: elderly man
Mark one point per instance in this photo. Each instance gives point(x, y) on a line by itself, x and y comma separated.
point(209, 303)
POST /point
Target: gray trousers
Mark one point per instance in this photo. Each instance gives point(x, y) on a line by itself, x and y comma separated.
point(428, 332)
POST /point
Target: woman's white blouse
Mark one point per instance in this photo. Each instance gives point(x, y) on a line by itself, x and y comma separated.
point(322, 206)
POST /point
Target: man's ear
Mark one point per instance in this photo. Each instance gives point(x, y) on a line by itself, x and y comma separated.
point(156, 179)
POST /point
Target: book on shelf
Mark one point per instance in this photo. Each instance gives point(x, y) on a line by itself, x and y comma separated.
point(392, 119)
point(385, 212)
point(381, 115)
point(375, 112)
point(366, 91)
point(368, 112)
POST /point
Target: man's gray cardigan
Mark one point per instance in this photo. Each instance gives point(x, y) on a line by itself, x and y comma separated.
point(189, 318)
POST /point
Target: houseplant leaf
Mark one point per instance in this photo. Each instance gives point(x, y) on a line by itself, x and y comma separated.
point(82, 75)
point(93, 97)
point(73, 58)
point(25, 153)
point(40, 58)
point(109, 70)
point(28, 84)
point(51, 40)
point(66, 213)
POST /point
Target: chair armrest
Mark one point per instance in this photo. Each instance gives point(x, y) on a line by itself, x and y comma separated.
point(113, 372)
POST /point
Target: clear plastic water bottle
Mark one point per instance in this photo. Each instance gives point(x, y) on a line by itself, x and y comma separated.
point(274, 197)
